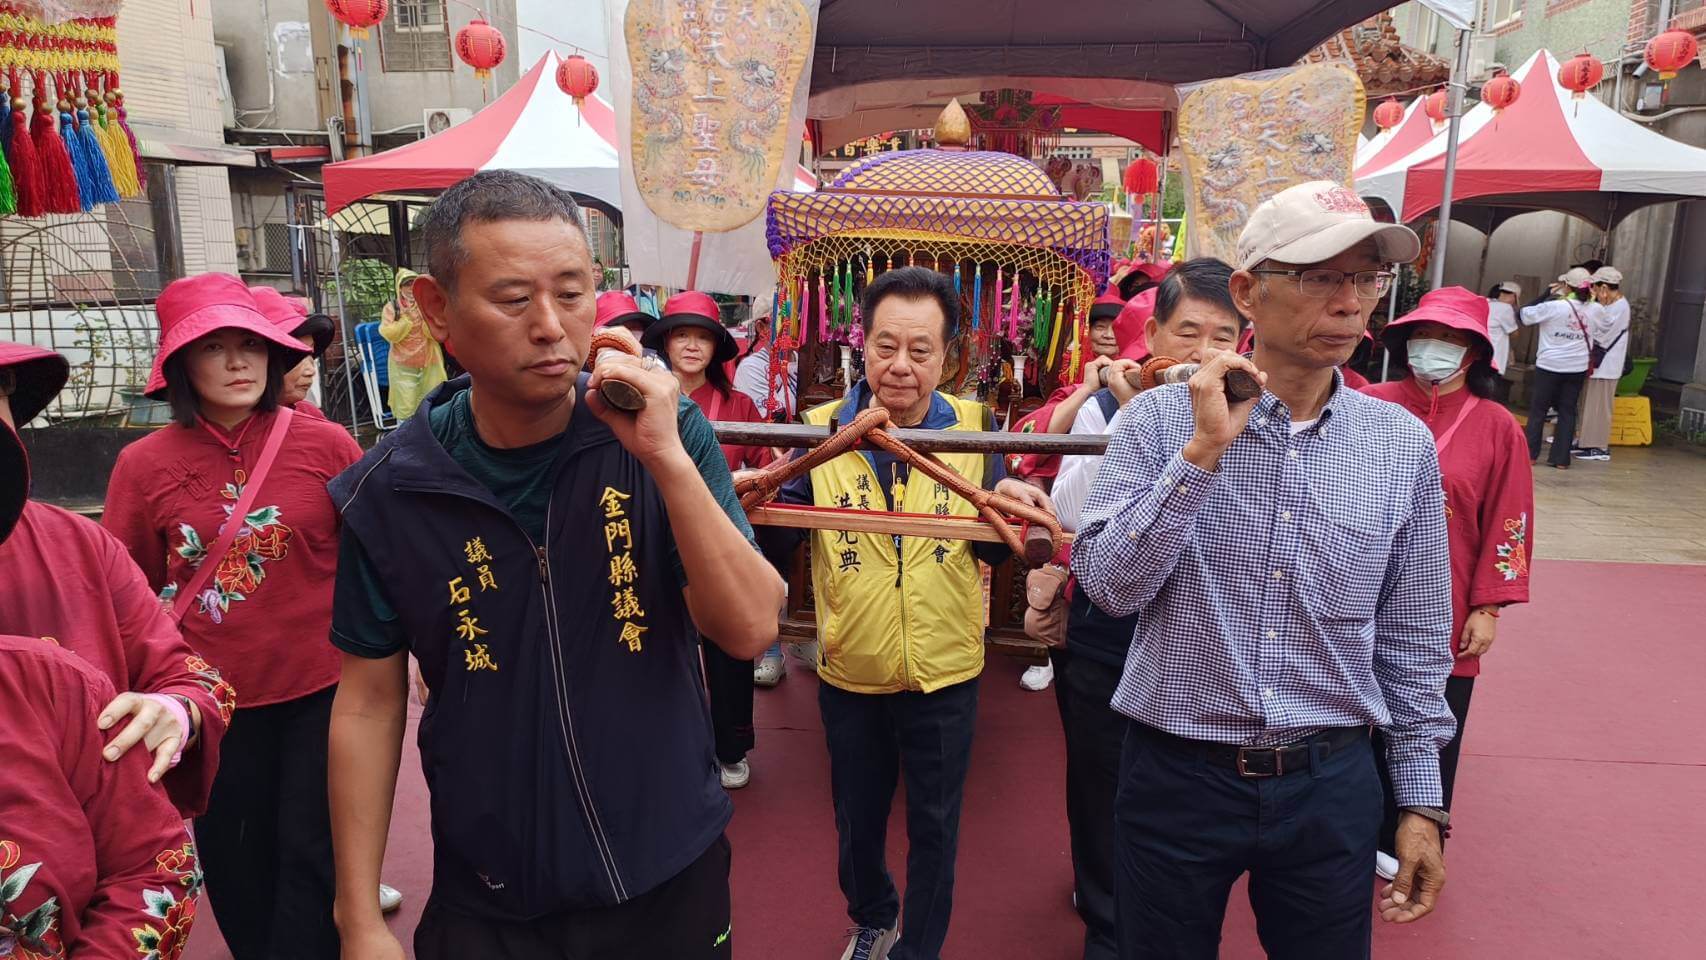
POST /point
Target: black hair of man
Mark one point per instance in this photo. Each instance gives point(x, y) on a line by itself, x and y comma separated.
point(185, 403)
point(1495, 290)
point(489, 196)
point(1592, 266)
point(913, 283)
point(1202, 278)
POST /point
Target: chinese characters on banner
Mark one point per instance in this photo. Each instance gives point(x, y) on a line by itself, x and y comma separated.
point(1246, 140)
point(713, 84)
point(623, 575)
point(476, 651)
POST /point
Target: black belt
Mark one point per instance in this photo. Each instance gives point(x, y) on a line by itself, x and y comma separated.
point(1256, 762)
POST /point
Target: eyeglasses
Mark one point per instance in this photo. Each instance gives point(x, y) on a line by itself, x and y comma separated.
point(1320, 283)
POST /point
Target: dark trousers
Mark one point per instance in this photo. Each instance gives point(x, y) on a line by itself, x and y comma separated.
point(1555, 391)
point(874, 739)
point(729, 683)
point(1094, 732)
point(685, 918)
point(1186, 827)
point(1457, 691)
point(266, 838)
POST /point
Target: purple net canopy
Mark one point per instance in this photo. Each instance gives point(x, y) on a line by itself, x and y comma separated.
point(937, 194)
point(1182, 41)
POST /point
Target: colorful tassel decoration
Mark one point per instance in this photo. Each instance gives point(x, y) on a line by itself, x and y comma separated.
point(121, 163)
point(59, 179)
point(94, 180)
point(8, 199)
point(822, 312)
point(130, 136)
point(31, 199)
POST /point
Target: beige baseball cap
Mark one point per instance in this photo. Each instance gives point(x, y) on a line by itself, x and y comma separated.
point(1576, 277)
point(1316, 221)
point(1610, 275)
point(1511, 287)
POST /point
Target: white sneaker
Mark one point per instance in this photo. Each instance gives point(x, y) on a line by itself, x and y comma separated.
point(806, 652)
point(390, 898)
point(1038, 677)
point(870, 943)
point(735, 775)
point(769, 670)
point(1386, 865)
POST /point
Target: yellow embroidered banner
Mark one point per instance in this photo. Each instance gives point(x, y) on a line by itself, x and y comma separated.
point(713, 84)
point(1246, 140)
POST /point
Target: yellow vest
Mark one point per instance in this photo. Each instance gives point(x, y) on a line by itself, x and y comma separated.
point(896, 619)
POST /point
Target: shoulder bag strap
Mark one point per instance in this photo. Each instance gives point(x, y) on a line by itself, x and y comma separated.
point(1444, 439)
point(228, 534)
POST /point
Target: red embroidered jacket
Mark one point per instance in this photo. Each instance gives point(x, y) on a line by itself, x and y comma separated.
point(264, 617)
point(72, 581)
point(1489, 501)
point(95, 864)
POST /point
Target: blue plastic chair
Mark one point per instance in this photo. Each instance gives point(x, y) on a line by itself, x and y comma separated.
point(375, 371)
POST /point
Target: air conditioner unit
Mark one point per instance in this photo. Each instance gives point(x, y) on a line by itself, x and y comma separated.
point(1482, 57)
point(439, 119)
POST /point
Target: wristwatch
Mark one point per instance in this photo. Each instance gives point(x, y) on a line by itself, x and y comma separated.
point(1436, 814)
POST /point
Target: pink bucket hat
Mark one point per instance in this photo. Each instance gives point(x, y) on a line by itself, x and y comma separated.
point(194, 307)
point(1130, 334)
point(1453, 307)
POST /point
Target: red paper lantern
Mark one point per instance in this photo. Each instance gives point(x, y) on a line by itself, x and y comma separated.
point(1671, 51)
point(1500, 92)
point(358, 15)
point(1142, 177)
point(1389, 114)
point(1581, 74)
point(480, 46)
point(577, 78)
point(1434, 106)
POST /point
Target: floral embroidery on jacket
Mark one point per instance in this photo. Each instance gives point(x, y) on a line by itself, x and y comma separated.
point(210, 680)
point(262, 538)
point(175, 910)
point(35, 935)
point(1513, 553)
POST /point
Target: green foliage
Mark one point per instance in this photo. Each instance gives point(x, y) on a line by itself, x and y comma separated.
point(367, 285)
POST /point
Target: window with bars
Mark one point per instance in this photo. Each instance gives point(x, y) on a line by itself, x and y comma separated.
point(415, 37)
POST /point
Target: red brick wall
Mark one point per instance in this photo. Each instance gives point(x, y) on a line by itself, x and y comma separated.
point(1640, 11)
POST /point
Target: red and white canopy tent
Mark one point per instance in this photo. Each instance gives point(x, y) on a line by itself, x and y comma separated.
point(1386, 146)
point(1547, 151)
point(534, 128)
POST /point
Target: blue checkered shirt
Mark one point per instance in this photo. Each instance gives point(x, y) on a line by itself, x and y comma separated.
point(1305, 584)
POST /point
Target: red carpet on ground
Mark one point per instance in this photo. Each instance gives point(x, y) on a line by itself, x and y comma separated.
point(1577, 829)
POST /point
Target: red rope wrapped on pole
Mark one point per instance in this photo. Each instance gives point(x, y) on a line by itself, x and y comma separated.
point(1036, 540)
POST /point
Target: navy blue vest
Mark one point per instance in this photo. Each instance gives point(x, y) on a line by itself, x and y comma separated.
point(567, 740)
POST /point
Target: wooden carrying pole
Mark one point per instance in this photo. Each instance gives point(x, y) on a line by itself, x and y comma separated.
point(798, 435)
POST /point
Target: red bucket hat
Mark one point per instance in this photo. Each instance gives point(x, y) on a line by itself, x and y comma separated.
point(1453, 307)
point(39, 374)
point(1108, 305)
point(616, 307)
point(690, 308)
point(14, 479)
point(194, 307)
point(1129, 327)
point(289, 314)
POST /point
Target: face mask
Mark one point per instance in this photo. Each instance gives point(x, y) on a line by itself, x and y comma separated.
point(1435, 361)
